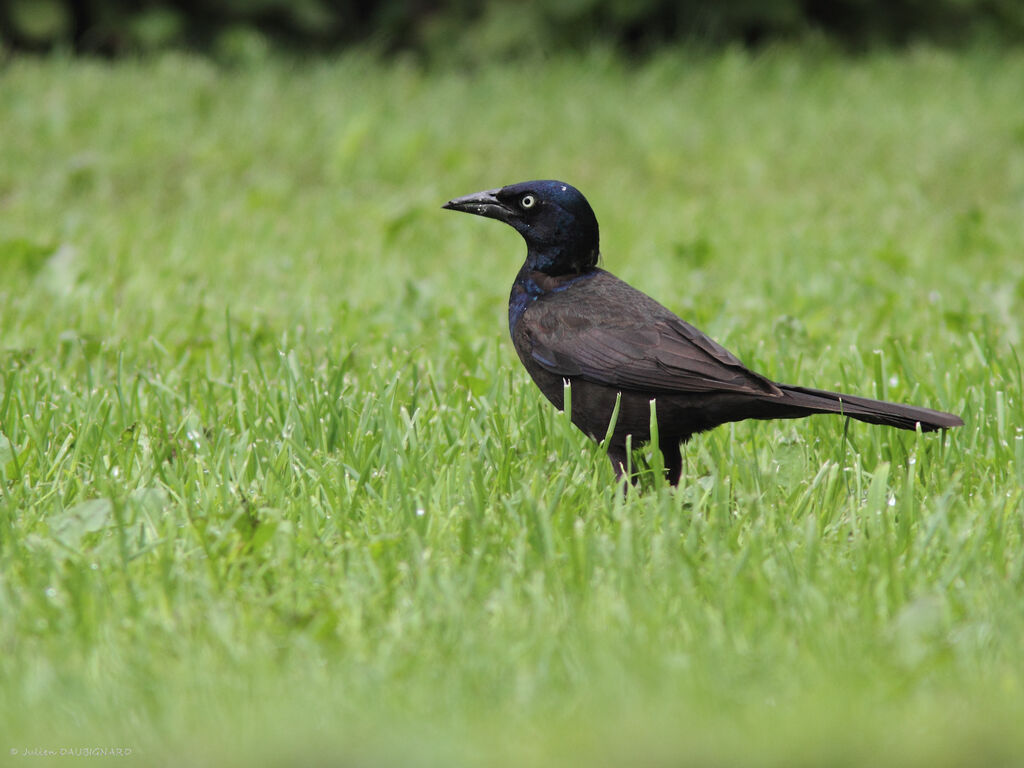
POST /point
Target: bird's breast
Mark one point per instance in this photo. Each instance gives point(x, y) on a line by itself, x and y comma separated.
point(518, 301)
point(531, 286)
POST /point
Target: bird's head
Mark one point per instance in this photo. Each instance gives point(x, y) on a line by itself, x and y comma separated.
point(554, 218)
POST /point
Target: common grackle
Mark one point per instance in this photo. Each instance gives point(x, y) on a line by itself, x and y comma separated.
point(572, 321)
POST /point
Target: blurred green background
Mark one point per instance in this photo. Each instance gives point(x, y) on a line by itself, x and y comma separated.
point(274, 488)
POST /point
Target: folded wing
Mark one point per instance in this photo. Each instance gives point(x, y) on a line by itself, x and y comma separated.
point(609, 333)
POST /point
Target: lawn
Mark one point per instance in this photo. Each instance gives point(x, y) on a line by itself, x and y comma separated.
point(274, 488)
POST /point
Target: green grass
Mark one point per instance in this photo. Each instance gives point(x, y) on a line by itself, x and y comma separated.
point(274, 488)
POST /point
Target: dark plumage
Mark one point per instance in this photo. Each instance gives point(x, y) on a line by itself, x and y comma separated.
point(571, 321)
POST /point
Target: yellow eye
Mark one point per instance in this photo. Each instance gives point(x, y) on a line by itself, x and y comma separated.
point(528, 201)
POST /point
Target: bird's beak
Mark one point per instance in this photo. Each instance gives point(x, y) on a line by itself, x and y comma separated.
point(482, 204)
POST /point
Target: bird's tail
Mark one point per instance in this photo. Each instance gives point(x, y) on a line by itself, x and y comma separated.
point(803, 401)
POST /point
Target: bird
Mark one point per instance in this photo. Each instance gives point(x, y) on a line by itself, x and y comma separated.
point(573, 323)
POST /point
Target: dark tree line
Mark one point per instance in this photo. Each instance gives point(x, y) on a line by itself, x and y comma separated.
point(438, 28)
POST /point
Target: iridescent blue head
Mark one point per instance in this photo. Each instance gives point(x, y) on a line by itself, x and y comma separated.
point(556, 221)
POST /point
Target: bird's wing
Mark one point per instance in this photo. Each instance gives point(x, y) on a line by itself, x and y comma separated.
point(623, 338)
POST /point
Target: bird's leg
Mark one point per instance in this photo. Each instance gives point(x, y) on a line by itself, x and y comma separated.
point(673, 458)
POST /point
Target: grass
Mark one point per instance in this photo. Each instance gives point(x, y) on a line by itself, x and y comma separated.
point(274, 488)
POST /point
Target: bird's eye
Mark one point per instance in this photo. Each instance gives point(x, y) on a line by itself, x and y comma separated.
point(528, 201)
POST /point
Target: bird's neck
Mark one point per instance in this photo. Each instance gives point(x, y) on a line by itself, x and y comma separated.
point(560, 259)
point(531, 284)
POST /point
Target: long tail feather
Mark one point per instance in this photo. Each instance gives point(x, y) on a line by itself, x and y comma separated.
point(871, 411)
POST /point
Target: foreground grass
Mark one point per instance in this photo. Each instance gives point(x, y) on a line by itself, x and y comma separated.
point(275, 489)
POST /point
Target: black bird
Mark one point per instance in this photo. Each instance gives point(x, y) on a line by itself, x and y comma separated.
point(571, 321)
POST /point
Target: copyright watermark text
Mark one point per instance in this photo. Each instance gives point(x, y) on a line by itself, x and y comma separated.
point(70, 751)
